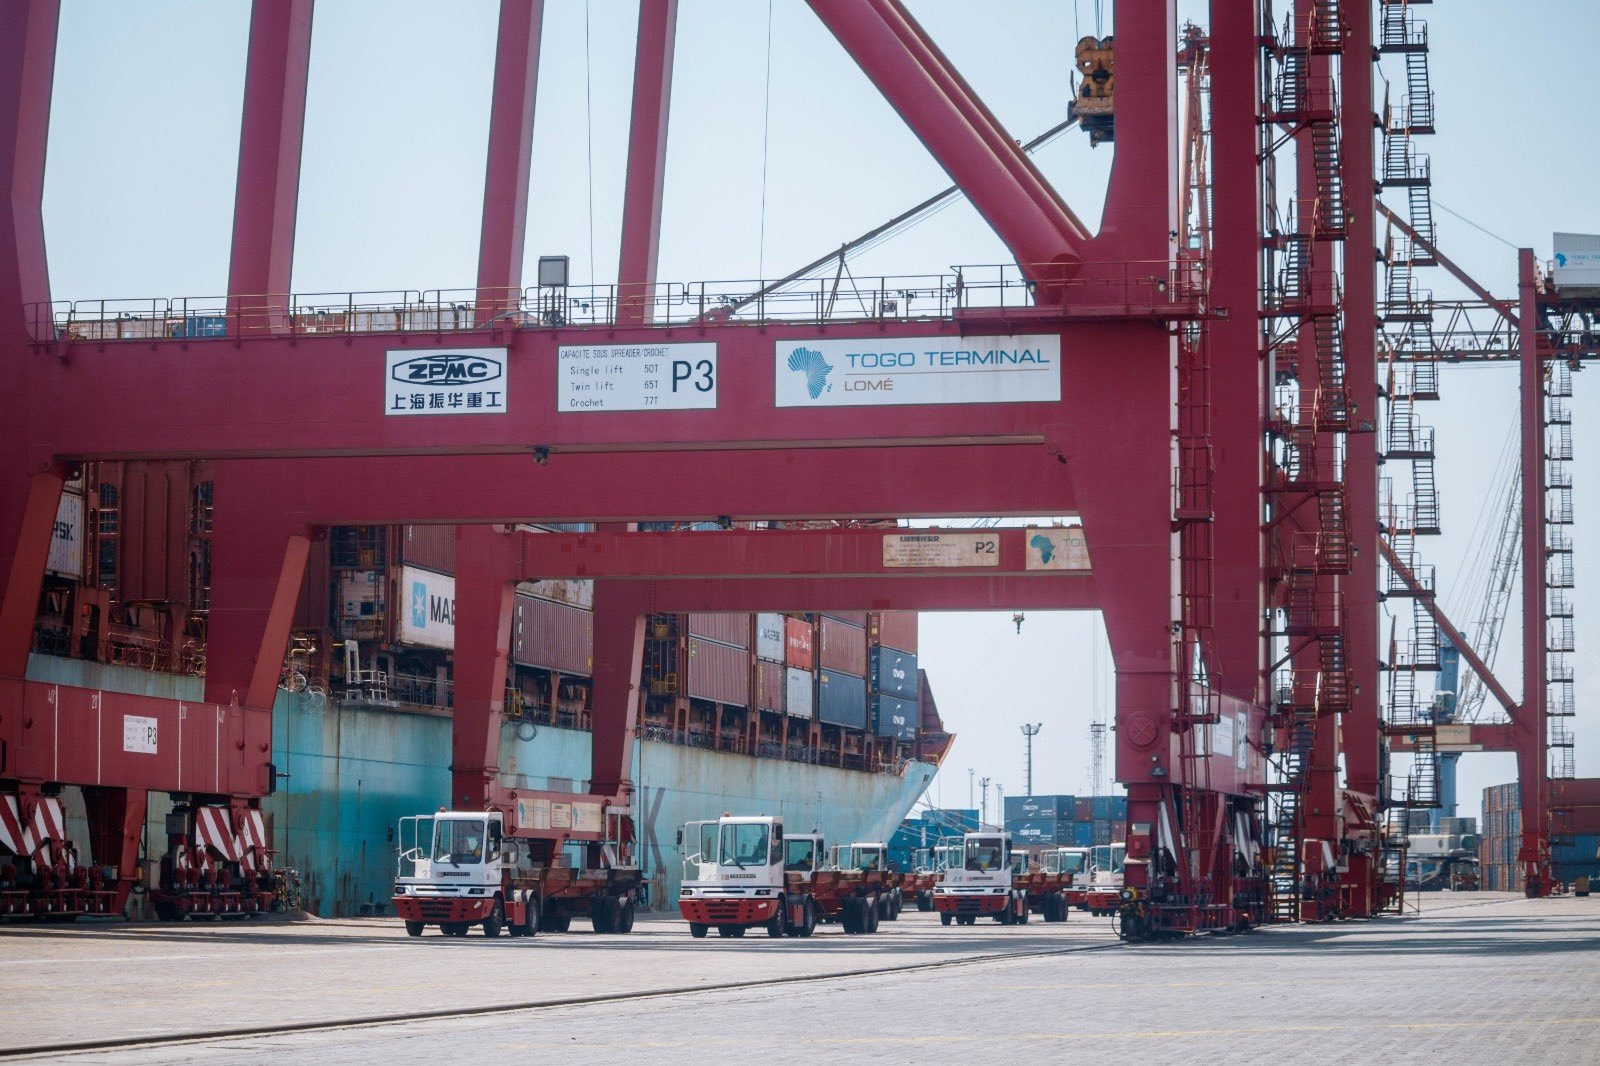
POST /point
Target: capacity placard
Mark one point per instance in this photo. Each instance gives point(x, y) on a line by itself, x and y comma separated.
point(632, 377)
point(139, 734)
point(941, 549)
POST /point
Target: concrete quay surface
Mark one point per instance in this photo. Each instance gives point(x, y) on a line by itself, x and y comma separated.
point(1477, 977)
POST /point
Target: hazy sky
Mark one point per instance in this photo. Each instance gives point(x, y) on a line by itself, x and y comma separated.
point(143, 148)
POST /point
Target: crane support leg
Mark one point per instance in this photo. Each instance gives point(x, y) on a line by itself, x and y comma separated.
point(268, 194)
point(27, 69)
point(619, 620)
point(505, 183)
point(486, 587)
point(647, 160)
point(1533, 768)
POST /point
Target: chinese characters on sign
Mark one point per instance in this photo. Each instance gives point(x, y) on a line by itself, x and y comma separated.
point(445, 381)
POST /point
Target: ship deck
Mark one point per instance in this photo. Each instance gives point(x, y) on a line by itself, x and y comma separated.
point(361, 991)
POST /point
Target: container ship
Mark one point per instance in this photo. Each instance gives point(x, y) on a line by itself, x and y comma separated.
point(825, 719)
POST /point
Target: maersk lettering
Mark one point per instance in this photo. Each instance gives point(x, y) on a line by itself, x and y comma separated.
point(442, 609)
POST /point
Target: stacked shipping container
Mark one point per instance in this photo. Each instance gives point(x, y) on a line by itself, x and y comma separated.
point(1574, 831)
point(1066, 821)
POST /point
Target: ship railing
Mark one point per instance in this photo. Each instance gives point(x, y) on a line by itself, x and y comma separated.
point(1161, 288)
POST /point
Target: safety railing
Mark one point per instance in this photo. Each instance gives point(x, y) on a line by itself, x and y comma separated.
point(1153, 288)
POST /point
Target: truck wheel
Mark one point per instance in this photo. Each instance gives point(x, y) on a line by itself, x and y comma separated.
point(850, 916)
point(414, 928)
point(698, 930)
point(530, 916)
point(496, 920)
point(730, 930)
point(1022, 910)
point(775, 927)
point(945, 918)
point(896, 905)
point(622, 920)
point(924, 901)
point(870, 916)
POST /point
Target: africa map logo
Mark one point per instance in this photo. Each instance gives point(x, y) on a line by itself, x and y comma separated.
point(809, 361)
point(1045, 546)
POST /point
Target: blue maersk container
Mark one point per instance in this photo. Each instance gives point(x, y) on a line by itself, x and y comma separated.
point(842, 699)
point(1082, 834)
point(893, 717)
point(894, 673)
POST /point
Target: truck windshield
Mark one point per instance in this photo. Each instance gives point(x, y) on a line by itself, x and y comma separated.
point(985, 853)
point(1066, 862)
point(743, 844)
point(458, 840)
point(799, 855)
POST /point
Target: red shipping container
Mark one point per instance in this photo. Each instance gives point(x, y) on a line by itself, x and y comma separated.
point(844, 646)
point(432, 547)
point(770, 686)
point(717, 672)
point(153, 501)
point(855, 618)
point(1577, 792)
point(1581, 820)
point(799, 640)
point(894, 629)
point(1083, 809)
point(553, 636)
point(730, 629)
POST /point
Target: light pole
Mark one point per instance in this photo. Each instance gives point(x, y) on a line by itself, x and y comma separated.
point(1030, 731)
point(971, 796)
point(983, 817)
point(1000, 801)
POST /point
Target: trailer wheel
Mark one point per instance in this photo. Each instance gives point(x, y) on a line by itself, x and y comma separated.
point(623, 919)
point(850, 916)
point(945, 917)
point(414, 929)
point(600, 914)
point(496, 920)
point(897, 904)
point(531, 911)
point(698, 930)
point(809, 923)
point(870, 915)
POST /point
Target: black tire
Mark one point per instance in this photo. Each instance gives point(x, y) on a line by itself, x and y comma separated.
point(898, 905)
point(945, 918)
point(531, 915)
point(600, 914)
point(871, 914)
point(967, 919)
point(625, 914)
point(496, 920)
point(733, 931)
point(808, 923)
point(849, 916)
point(414, 928)
point(925, 901)
point(777, 926)
point(1020, 915)
point(698, 930)
point(455, 929)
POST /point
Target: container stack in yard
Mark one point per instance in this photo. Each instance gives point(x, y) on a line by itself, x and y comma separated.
point(1574, 834)
point(1066, 821)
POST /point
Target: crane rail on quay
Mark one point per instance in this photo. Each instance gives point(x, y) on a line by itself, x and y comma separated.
point(1129, 378)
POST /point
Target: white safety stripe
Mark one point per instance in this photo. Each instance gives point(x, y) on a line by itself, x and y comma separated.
point(11, 834)
point(213, 831)
point(48, 825)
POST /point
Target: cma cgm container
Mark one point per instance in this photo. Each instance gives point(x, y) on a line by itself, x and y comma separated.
point(730, 629)
point(844, 646)
point(799, 643)
point(1034, 831)
point(1055, 808)
point(842, 699)
point(718, 672)
point(800, 692)
point(553, 636)
point(894, 717)
point(894, 673)
point(770, 686)
point(893, 629)
point(769, 637)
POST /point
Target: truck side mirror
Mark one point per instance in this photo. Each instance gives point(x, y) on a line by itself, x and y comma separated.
point(680, 836)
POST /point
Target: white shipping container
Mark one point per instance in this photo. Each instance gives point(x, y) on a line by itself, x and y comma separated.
point(573, 592)
point(427, 608)
point(358, 594)
point(799, 692)
point(769, 637)
point(66, 539)
point(1577, 261)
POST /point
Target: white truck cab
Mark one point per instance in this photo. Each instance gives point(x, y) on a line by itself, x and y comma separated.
point(735, 872)
point(1106, 862)
point(451, 872)
point(981, 885)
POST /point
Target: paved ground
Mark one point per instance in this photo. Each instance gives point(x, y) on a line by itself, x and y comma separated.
point(1475, 978)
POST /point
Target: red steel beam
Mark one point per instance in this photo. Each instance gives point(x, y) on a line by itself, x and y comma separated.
point(1445, 261)
point(1533, 769)
point(1430, 603)
point(505, 183)
point(485, 600)
point(268, 192)
point(22, 566)
point(977, 155)
point(647, 160)
point(27, 69)
point(1238, 378)
point(1361, 728)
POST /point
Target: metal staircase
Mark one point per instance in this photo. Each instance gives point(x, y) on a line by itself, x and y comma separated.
point(1560, 631)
